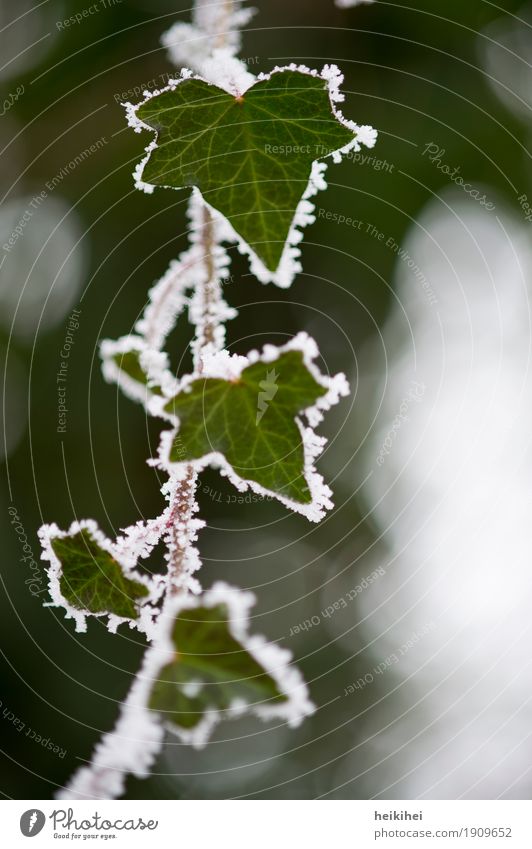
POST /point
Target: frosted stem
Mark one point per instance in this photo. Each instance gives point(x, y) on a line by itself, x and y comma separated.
point(228, 9)
point(210, 291)
point(134, 743)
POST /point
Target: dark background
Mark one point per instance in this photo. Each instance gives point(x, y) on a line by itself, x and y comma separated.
point(413, 71)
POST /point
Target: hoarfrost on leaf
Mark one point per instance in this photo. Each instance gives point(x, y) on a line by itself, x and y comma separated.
point(203, 667)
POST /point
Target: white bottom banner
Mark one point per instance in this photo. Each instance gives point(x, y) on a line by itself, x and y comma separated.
point(263, 825)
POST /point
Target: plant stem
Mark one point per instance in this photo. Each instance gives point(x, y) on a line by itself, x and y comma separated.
point(179, 531)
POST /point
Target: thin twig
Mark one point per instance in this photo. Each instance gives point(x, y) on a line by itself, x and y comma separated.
point(181, 514)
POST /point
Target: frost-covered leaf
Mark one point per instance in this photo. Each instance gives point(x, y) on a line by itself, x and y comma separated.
point(93, 580)
point(211, 670)
point(252, 422)
point(88, 576)
point(224, 672)
point(249, 154)
point(217, 670)
point(138, 369)
point(129, 363)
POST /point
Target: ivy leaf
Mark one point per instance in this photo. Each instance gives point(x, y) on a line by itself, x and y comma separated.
point(249, 155)
point(91, 579)
point(128, 362)
point(212, 668)
point(251, 421)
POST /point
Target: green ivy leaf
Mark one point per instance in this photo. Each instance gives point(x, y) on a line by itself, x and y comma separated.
point(211, 671)
point(250, 156)
point(129, 363)
point(251, 421)
point(91, 579)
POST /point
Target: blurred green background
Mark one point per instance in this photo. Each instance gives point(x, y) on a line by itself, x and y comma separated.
point(413, 70)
